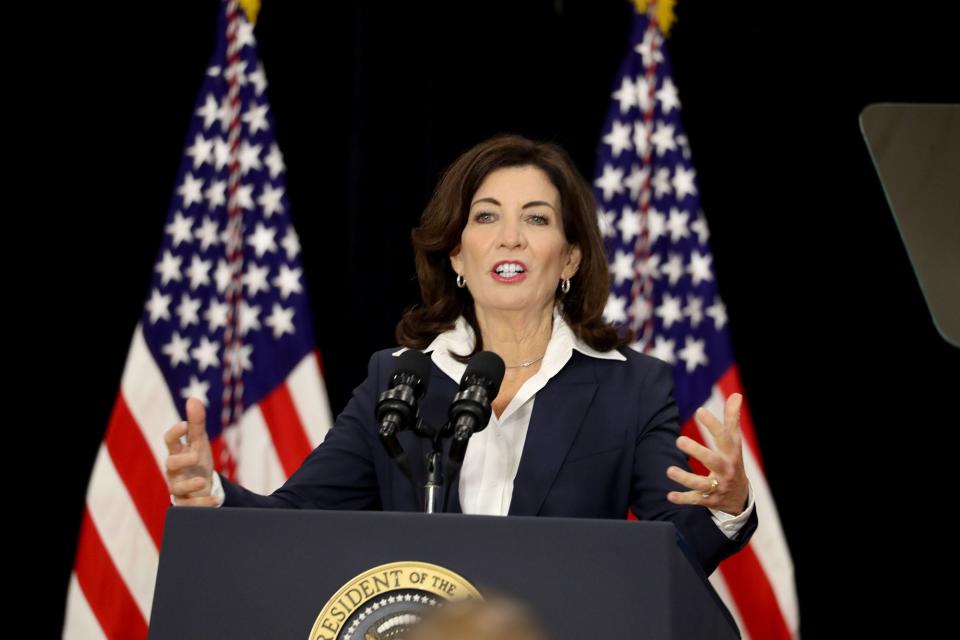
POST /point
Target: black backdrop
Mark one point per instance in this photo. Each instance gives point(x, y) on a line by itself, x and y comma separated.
point(850, 385)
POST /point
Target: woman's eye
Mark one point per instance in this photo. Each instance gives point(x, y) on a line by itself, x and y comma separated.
point(483, 216)
point(538, 219)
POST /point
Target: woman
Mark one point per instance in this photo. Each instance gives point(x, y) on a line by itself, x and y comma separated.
point(510, 260)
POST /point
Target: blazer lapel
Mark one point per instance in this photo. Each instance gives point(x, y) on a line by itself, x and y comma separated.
point(558, 413)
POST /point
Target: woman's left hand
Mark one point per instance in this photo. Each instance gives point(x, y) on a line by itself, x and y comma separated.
point(725, 488)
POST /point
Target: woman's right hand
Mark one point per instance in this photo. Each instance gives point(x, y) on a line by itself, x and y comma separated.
point(190, 466)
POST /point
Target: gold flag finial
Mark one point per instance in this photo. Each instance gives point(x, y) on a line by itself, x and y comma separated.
point(663, 10)
point(251, 8)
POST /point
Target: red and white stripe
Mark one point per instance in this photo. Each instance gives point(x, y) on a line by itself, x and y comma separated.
point(111, 588)
point(756, 584)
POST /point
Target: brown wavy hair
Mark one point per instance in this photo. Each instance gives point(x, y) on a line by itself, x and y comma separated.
point(443, 222)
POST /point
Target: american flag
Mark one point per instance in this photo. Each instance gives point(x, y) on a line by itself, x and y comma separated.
point(663, 287)
point(226, 320)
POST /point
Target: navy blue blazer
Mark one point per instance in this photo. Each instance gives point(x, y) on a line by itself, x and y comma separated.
point(601, 437)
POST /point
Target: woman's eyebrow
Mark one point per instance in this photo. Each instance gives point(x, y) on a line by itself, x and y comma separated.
point(534, 203)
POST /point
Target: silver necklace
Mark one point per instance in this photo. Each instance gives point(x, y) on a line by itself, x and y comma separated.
point(526, 364)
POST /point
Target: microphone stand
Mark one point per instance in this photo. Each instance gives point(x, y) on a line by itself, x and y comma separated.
point(434, 497)
point(434, 487)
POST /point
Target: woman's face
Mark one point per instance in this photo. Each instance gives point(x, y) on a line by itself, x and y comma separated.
point(513, 253)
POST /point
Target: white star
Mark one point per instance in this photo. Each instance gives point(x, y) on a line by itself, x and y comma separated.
point(649, 49)
point(635, 181)
point(208, 111)
point(693, 353)
point(180, 229)
point(626, 95)
point(683, 182)
point(213, 71)
point(237, 70)
point(629, 223)
point(641, 137)
point(700, 227)
point(661, 182)
point(244, 196)
point(610, 182)
point(694, 310)
point(249, 157)
point(225, 113)
point(201, 151)
point(640, 309)
point(169, 268)
point(622, 267)
point(223, 275)
point(669, 310)
point(206, 233)
point(677, 224)
point(226, 235)
point(262, 240)
point(616, 309)
point(232, 234)
point(221, 153)
point(274, 161)
point(206, 354)
point(281, 320)
point(177, 349)
point(190, 190)
point(668, 96)
point(197, 389)
point(699, 268)
point(674, 268)
point(618, 139)
point(270, 200)
point(288, 280)
point(718, 312)
point(684, 146)
point(216, 315)
point(605, 221)
point(651, 266)
point(662, 138)
point(158, 306)
point(656, 225)
point(216, 194)
point(256, 118)
point(249, 318)
point(258, 78)
point(643, 94)
point(199, 272)
point(663, 349)
point(291, 243)
point(244, 34)
point(188, 310)
point(242, 360)
point(255, 279)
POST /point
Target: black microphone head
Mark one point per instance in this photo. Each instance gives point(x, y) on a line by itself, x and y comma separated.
point(486, 369)
point(413, 368)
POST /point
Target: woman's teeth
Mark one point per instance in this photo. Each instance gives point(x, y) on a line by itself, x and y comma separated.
point(509, 269)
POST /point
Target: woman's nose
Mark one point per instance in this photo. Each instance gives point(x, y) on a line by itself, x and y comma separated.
point(511, 233)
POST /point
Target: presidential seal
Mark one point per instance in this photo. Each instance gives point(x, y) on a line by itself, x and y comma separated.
point(386, 601)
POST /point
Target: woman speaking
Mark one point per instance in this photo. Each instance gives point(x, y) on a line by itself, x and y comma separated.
point(510, 259)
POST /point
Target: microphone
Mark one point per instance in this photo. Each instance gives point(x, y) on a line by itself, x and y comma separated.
point(470, 409)
point(397, 408)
